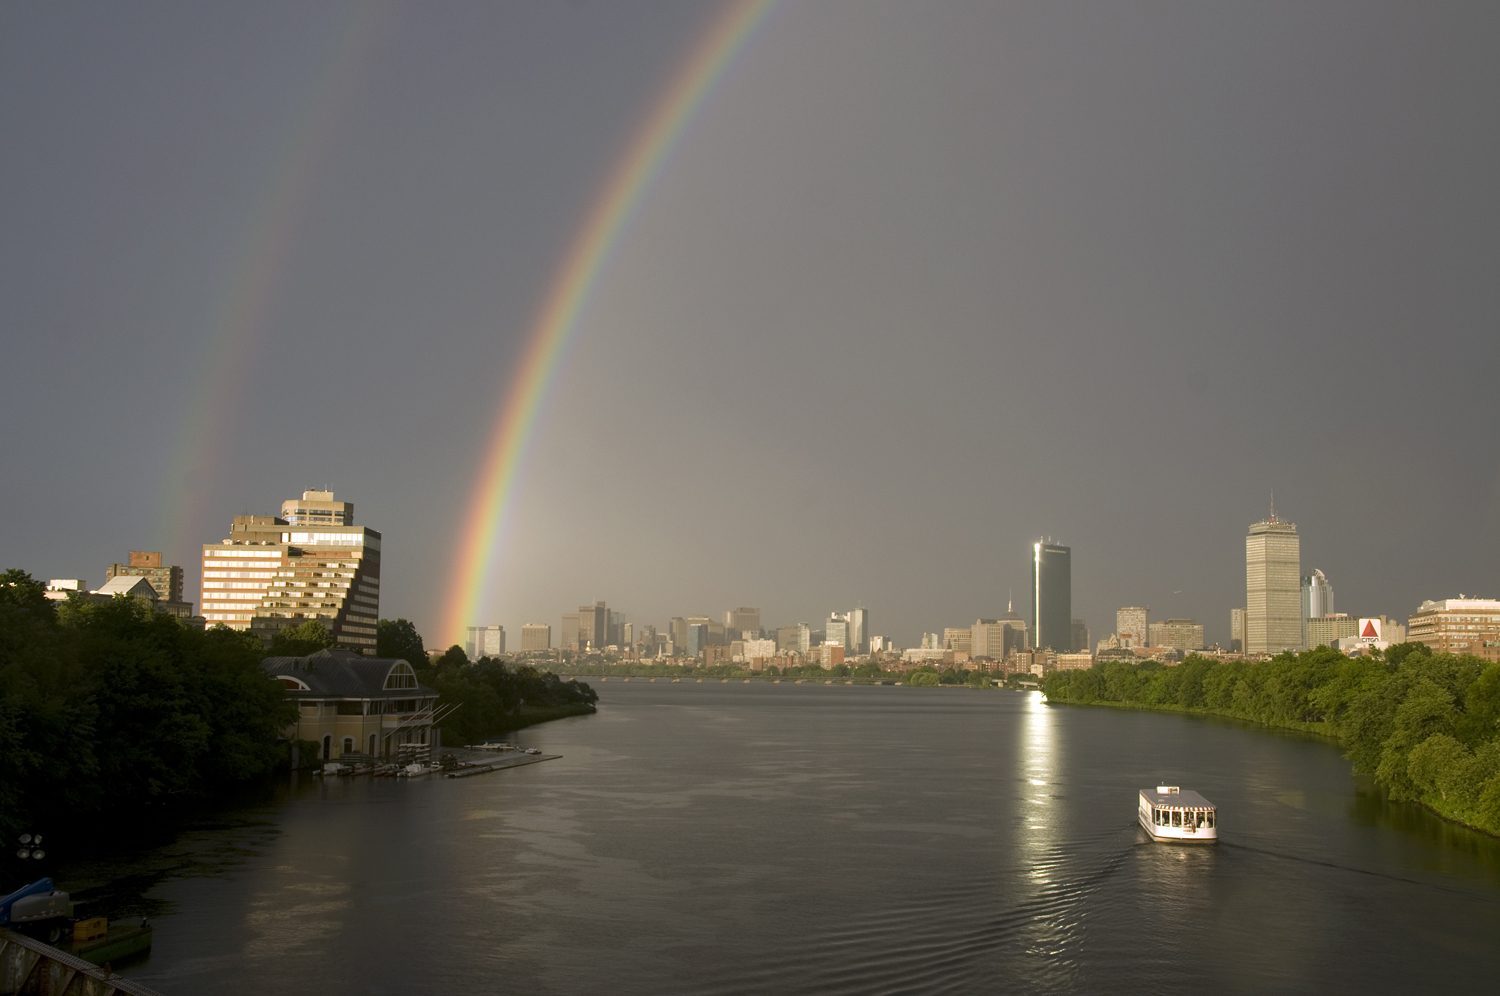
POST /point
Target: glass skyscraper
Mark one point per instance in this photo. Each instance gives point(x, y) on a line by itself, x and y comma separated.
point(1052, 596)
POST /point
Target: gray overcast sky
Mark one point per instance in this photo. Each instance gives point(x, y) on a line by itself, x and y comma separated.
point(920, 283)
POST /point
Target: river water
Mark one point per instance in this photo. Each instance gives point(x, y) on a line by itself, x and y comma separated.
point(750, 838)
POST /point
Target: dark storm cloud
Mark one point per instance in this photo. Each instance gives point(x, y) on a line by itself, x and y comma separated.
point(921, 283)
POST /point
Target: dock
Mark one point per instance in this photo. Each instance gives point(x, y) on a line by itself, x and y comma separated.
point(483, 762)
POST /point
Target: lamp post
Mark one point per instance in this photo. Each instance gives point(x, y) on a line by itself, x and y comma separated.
point(31, 847)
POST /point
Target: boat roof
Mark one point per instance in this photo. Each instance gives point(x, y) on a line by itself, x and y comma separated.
point(1177, 798)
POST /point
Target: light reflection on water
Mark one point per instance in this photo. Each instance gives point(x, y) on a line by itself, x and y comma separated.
point(752, 838)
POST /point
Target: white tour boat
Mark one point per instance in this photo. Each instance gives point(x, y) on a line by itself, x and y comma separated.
point(1169, 814)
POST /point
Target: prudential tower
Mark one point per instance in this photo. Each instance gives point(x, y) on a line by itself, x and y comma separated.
point(1273, 586)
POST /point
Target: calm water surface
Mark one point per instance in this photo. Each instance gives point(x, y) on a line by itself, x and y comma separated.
point(760, 838)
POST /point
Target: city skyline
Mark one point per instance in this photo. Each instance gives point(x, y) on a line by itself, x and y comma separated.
point(897, 291)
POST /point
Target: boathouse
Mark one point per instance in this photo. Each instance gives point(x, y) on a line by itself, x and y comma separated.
point(350, 704)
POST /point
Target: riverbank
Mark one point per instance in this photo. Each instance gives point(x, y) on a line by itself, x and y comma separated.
point(1321, 730)
point(533, 715)
point(1422, 725)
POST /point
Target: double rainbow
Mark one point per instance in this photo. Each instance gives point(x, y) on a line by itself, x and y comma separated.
point(575, 278)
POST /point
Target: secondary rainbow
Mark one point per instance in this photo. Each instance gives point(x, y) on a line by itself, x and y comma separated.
point(569, 291)
point(250, 287)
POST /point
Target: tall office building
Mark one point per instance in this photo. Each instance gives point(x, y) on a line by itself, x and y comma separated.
point(485, 641)
point(1317, 596)
point(1237, 631)
point(959, 639)
point(1132, 625)
point(1080, 635)
point(794, 639)
point(311, 562)
point(1051, 595)
point(713, 631)
point(745, 621)
point(697, 637)
point(569, 632)
point(859, 631)
point(1015, 629)
point(987, 639)
point(593, 626)
point(836, 629)
point(1273, 595)
point(1317, 603)
point(535, 636)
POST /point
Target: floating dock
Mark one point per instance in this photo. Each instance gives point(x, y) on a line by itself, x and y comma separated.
point(484, 766)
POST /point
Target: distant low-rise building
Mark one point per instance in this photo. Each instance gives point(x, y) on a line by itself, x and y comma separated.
point(166, 580)
point(1074, 662)
point(131, 587)
point(753, 650)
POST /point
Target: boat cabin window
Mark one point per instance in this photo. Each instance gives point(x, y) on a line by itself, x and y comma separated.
point(1177, 817)
point(1210, 820)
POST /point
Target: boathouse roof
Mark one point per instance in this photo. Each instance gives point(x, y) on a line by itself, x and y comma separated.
point(344, 674)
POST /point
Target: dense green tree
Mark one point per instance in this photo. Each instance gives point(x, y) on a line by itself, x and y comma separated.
point(305, 638)
point(398, 639)
point(1441, 766)
point(454, 656)
point(494, 697)
point(1481, 707)
point(1426, 709)
point(111, 708)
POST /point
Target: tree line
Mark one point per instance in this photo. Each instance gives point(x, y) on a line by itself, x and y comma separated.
point(1424, 725)
point(494, 696)
point(110, 711)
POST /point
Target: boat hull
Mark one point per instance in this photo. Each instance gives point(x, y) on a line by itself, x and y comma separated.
point(1176, 835)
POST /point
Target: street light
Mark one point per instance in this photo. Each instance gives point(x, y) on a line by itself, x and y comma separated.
point(31, 847)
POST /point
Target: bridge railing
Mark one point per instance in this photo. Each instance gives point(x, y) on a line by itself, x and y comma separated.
point(30, 968)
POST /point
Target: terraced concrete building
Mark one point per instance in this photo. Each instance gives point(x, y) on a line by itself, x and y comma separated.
point(310, 562)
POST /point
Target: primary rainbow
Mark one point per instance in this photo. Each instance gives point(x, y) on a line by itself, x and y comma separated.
point(568, 292)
